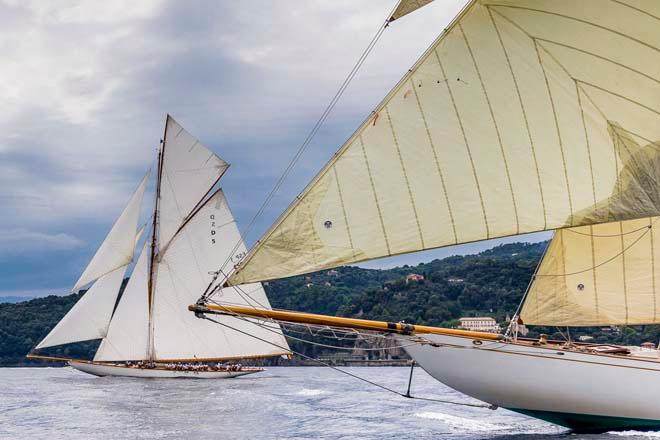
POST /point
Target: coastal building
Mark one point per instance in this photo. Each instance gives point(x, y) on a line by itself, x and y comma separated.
point(414, 277)
point(480, 324)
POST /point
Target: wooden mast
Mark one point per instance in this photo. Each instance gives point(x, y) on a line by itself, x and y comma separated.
point(336, 321)
point(154, 243)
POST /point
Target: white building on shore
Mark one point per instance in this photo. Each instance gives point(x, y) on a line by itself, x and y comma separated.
point(480, 324)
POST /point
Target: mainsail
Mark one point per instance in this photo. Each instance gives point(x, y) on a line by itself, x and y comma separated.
point(516, 120)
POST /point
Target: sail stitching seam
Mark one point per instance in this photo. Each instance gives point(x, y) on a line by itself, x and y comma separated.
point(467, 145)
point(497, 130)
point(588, 143)
point(636, 9)
point(593, 274)
point(579, 20)
point(435, 158)
point(524, 113)
point(556, 119)
point(343, 209)
point(405, 176)
point(373, 191)
point(623, 267)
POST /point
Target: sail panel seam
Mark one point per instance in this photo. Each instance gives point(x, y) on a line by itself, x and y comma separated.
point(373, 191)
point(405, 176)
point(467, 145)
point(497, 130)
point(435, 158)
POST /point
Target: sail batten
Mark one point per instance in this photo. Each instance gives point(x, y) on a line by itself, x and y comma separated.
point(511, 123)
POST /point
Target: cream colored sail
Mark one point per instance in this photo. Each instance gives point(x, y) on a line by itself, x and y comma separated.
point(90, 316)
point(189, 171)
point(117, 248)
point(606, 274)
point(510, 123)
point(128, 333)
point(201, 247)
point(405, 7)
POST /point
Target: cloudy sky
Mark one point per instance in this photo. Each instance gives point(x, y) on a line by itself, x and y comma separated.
point(85, 87)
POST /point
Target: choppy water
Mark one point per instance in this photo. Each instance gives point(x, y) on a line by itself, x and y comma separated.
point(291, 403)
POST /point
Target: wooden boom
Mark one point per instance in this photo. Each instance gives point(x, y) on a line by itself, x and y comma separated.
point(336, 321)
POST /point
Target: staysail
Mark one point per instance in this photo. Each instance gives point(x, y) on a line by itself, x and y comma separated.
point(118, 247)
point(128, 334)
point(405, 7)
point(516, 120)
point(90, 316)
point(606, 274)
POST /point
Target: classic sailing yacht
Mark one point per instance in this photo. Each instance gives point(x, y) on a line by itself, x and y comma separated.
point(523, 116)
point(149, 333)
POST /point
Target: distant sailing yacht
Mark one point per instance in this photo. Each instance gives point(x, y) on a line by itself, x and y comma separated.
point(150, 333)
point(523, 116)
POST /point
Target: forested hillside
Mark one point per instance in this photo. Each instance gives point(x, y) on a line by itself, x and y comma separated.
point(490, 283)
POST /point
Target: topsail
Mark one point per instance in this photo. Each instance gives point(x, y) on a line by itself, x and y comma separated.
point(523, 116)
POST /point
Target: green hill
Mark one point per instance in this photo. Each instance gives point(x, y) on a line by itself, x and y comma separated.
point(490, 283)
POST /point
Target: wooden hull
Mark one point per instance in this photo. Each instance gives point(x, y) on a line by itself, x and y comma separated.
point(102, 369)
point(581, 391)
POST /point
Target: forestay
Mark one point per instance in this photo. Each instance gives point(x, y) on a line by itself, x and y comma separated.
point(118, 247)
point(516, 120)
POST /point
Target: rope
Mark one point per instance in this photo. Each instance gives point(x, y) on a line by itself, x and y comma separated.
point(355, 376)
point(305, 144)
point(648, 228)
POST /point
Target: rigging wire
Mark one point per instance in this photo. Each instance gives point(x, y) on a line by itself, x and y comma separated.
point(648, 228)
point(348, 373)
point(312, 134)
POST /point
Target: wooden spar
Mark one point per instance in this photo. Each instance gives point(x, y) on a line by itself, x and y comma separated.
point(49, 358)
point(336, 321)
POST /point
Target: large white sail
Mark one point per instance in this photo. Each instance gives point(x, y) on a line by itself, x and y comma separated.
point(128, 333)
point(118, 247)
point(90, 316)
point(184, 270)
point(504, 127)
point(189, 172)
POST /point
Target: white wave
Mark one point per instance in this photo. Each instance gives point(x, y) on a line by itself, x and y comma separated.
point(645, 434)
point(460, 424)
point(308, 392)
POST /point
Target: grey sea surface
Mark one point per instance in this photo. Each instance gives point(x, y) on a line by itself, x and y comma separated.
point(280, 403)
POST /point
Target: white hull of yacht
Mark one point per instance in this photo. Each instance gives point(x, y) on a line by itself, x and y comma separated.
point(102, 369)
point(582, 391)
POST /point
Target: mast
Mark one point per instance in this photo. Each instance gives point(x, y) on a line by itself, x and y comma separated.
point(151, 289)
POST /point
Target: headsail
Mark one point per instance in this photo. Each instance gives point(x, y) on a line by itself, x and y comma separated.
point(189, 172)
point(118, 247)
point(607, 274)
point(128, 333)
point(184, 270)
point(516, 120)
point(405, 7)
point(90, 316)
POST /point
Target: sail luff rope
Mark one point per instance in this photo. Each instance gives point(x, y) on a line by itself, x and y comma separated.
point(355, 376)
point(312, 134)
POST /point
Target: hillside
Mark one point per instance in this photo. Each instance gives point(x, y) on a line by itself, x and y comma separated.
point(490, 283)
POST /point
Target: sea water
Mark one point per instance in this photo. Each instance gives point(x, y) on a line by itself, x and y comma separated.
point(280, 403)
